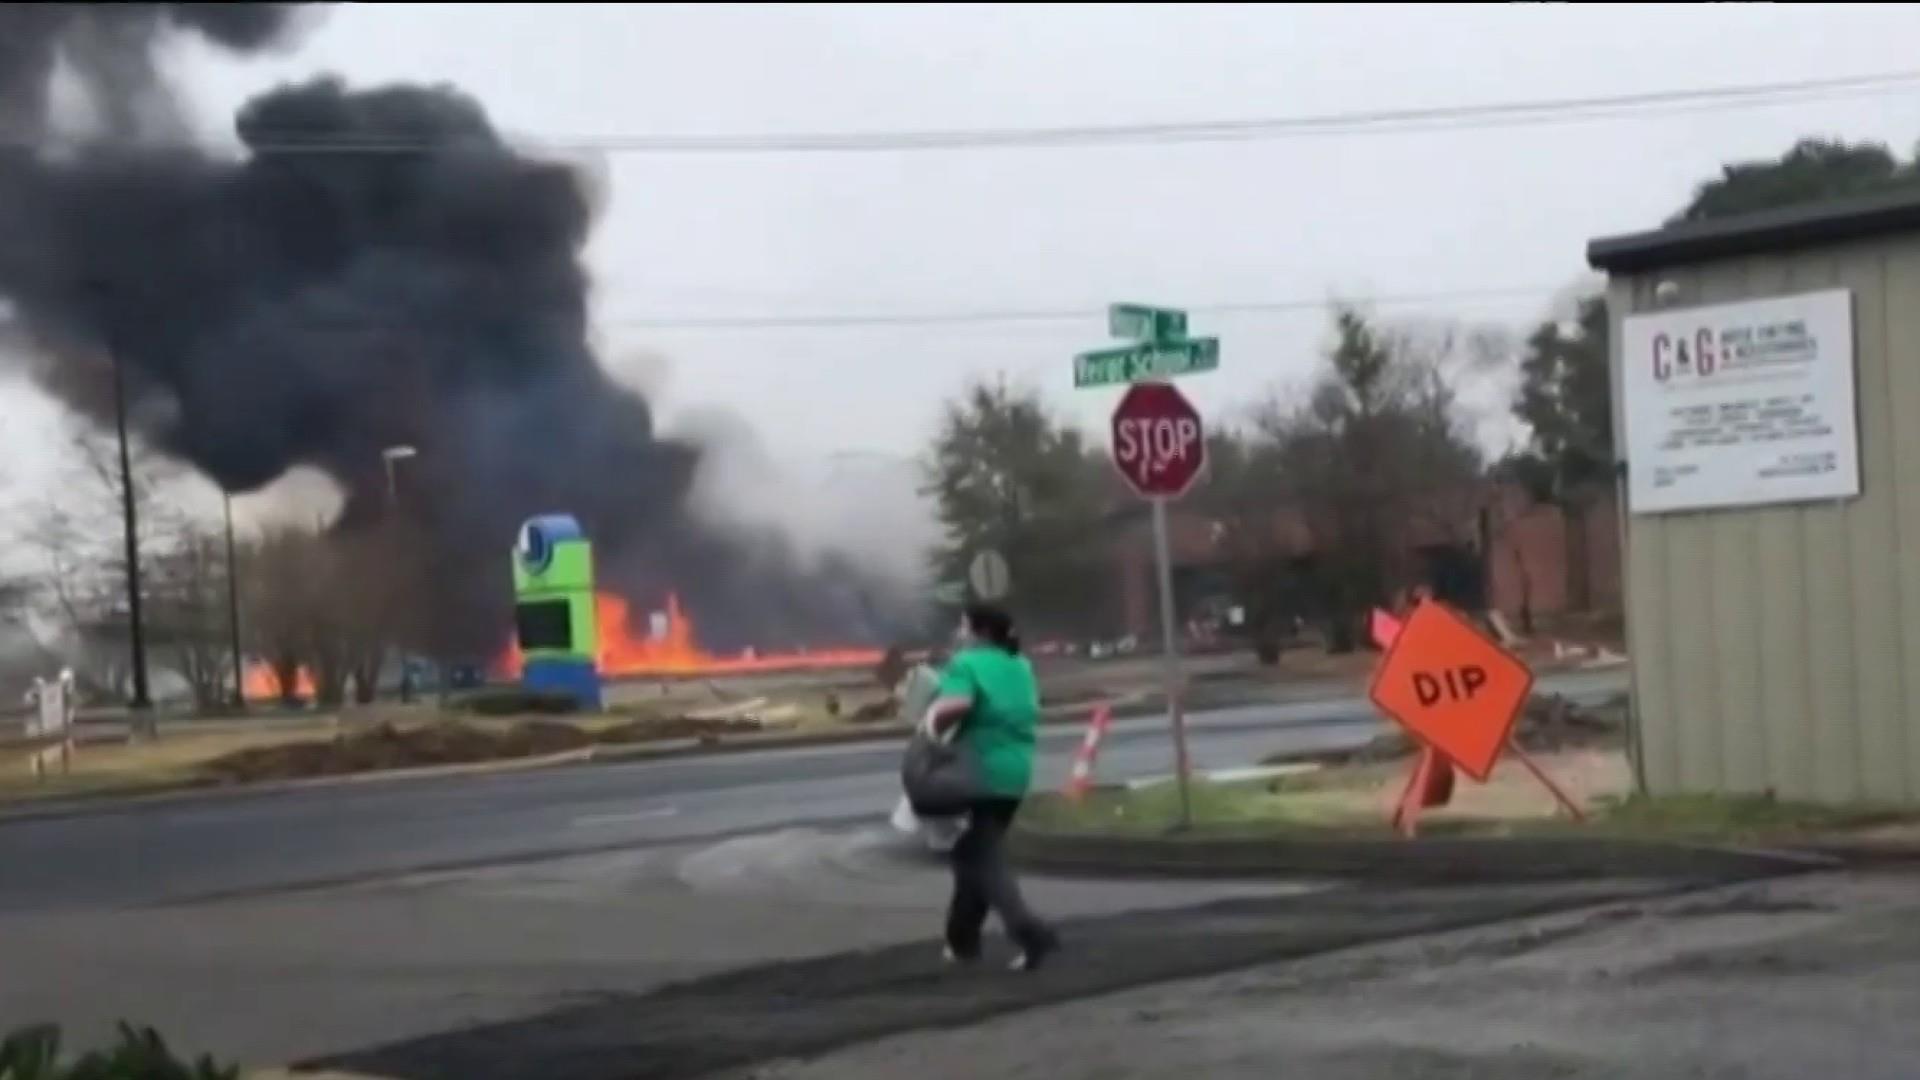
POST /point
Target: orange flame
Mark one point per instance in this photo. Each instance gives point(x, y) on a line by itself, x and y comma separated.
point(262, 683)
point(676, 652)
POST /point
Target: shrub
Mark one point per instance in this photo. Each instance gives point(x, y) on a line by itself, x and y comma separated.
point(891, 668)
point(33, 1053)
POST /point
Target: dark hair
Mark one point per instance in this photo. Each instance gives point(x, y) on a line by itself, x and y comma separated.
point(993, 626)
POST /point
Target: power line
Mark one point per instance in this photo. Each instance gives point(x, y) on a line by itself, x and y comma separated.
point(1378, 121)
point(1091, 313)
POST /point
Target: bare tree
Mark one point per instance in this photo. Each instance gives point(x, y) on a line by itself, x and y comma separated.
point(277, 591)
point(187, 613)
point(1374, 458)
point(82, 587)
point(326, 605)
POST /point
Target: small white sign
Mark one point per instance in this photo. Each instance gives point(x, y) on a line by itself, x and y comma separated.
point(1741, 404)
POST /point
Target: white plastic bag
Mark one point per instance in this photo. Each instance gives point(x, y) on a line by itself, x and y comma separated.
point(904, 820)
point(939, 834)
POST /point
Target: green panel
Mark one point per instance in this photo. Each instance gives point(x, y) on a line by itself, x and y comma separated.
point(567, 576)
point(1143, 323)
point(570, 569)
point(1149, 360)
point(586, 628)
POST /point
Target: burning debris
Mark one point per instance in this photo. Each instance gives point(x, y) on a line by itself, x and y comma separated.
point(377, 268)
point(676, 651)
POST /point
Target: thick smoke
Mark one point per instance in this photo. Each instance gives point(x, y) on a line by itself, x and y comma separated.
point(378, 268)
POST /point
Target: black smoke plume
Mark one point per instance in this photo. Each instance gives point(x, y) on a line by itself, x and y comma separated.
point(377, 268)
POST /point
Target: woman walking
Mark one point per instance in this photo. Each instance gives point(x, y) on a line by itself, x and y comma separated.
point(988, 690)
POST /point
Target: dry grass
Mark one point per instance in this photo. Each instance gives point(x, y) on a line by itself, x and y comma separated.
point(1348, 800)
point(1355, 801)
point(169, 761)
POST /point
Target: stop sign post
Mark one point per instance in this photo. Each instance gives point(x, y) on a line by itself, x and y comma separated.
point(1160, 447)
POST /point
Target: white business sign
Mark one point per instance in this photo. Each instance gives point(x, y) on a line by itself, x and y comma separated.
point(1741, 404)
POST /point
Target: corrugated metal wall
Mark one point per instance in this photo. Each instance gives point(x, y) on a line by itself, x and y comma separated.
point(1779, 648)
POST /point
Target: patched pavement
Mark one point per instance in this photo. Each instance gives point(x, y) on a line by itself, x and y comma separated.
point(1809, 976)
point(802, 1008)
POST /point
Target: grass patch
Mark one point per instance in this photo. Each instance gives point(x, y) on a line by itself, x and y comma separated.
point(174, 760)
point(1251, 807)
point(1349, 804)
point(1741, 816)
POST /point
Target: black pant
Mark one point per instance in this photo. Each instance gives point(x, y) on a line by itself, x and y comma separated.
point(983, 880)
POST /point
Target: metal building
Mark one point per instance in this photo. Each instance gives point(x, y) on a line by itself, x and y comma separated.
point(1766, 376)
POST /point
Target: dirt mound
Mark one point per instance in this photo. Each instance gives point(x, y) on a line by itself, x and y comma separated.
point(1549, 722)
point(1552, 722)
point(654, 728)
point(389, 747)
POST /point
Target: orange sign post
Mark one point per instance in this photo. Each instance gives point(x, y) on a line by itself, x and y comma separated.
point(1458, 693)
point(1430, 783)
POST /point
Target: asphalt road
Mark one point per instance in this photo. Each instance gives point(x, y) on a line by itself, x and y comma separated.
point(226, 844)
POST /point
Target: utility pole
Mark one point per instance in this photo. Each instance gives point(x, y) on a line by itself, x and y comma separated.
point(142, 703)
point(233, 607)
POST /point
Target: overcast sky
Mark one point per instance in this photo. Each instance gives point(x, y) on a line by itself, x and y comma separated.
point(879, 233)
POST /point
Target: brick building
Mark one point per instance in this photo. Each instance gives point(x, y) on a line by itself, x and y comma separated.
point(1501, 550)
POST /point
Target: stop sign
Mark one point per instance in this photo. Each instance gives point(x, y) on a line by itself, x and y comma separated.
point(1158, 443)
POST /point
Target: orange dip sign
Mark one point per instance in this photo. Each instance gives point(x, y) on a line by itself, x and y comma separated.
point(1452, 688)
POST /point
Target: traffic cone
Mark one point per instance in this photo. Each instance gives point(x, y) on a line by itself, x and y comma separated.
point(1081, 778)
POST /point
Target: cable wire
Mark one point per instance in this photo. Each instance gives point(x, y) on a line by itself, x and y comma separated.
point(1455, 117)
point(1091, 313)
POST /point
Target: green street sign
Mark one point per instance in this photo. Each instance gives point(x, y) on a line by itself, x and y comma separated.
point(1143, 323)
point(1150, 360)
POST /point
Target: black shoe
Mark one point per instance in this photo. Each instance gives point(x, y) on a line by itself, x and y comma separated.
point(1034, 952)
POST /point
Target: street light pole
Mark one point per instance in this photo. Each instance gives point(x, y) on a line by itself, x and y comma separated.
point(392, 456)
point(137, 642)
point(233, 606)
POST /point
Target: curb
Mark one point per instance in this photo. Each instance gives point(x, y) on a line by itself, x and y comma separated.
point(1437, 861)
point(1865, 854)
point(739, 744)
point(192, 790)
